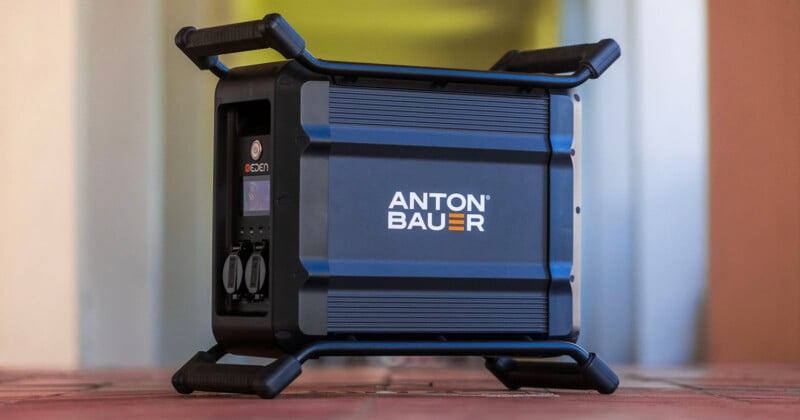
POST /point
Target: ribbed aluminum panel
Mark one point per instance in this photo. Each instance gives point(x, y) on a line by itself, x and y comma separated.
point(436, 109)
point(354, 311)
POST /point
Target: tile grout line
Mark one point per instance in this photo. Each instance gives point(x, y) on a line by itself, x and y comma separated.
point(694, 388)
point(81, 389)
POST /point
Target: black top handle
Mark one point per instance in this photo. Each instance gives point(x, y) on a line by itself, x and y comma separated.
point(203, 45)
point(537, 68)
point(595, 57)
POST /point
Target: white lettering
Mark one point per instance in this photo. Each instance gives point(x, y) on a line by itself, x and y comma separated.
point(441, 222)
point(397, 220)
point(474, 221)
point(434, 216)
point(257, 167)
point(438, 197)
point(474, 205)
point(417, 221)
point(415, 200)
point(452, 198)
point(398, 200)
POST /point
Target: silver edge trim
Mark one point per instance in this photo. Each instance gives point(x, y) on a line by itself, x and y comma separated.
point(576, 217)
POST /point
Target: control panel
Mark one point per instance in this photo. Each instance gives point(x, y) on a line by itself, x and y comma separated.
point(243, 281)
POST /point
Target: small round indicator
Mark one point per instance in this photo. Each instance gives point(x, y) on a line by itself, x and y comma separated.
point(256, 149)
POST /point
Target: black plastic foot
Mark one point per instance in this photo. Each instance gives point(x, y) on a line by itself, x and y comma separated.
point(592, 374)
point(201, 373)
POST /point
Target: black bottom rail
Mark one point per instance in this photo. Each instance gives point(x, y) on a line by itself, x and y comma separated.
point(203, 373)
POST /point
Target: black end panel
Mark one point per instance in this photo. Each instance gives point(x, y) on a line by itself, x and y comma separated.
point(291, 143)
point(561, 218)
point(313, 237)
point(242, 110)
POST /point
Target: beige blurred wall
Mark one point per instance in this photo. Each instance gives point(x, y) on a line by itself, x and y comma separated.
point(120, 182)
point(80, 202)
point(39, 125)
point(187, 184)
point(85, 279)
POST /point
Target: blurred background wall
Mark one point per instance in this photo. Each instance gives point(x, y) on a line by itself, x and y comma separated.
point(754, 299)
point(39, 133)
point(105, 153)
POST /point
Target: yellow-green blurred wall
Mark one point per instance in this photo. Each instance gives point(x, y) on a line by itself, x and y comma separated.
point(442, 33)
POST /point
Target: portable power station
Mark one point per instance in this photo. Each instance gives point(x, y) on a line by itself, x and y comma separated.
point(365, 209)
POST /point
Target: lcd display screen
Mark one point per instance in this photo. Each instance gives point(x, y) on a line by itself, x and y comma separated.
point(255, 190)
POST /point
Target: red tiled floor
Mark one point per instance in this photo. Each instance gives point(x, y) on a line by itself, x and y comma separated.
point(407, 393)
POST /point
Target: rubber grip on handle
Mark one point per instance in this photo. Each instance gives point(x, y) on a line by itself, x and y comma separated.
point(202, 374)
point(595, 57)
point(594, 374)
point(203, 45)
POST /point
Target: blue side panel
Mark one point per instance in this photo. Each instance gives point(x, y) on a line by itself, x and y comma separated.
point(362, 187)
point(430, 109)
point(401, 311)
point(437, 211)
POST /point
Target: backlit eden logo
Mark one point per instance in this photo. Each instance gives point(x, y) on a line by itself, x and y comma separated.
point(256, 167)
point(437, 211)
